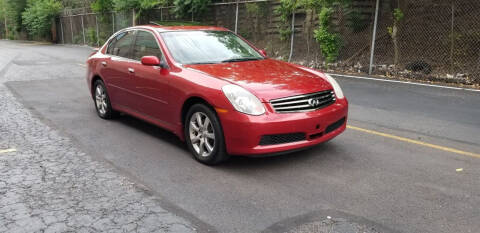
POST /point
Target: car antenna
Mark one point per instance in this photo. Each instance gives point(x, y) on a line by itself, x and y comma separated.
point(151, 22)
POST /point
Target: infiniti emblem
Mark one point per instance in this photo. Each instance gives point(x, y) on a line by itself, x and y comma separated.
point(314, 102)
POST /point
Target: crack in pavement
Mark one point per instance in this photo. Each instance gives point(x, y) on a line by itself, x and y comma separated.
point(52, 186)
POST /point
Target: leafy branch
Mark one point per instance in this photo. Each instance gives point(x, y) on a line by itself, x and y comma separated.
point(39, 16)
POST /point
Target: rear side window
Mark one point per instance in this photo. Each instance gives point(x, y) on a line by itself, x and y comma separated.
point(111, 44)
point(146, 45)
point(121, 44)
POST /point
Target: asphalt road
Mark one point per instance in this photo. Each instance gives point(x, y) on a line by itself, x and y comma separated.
point(368, 175)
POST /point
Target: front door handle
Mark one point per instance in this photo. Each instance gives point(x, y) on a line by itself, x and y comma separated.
point(104, 63)
point(131, 70)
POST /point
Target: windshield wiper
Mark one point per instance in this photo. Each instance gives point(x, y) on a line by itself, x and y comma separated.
point(241, 59)
point(202, 63)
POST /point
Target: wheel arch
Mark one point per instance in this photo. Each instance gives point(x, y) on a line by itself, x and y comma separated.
point(189, 102)
point(94, 79)
point(221, 152)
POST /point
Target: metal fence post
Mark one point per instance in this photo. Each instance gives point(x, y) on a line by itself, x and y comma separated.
point(292, 37)
point(236, 17)
point(96, 24)
point(71, 27)
point(6, 25)
point(61, 30)
point(113, 22)
point(452, 39)
point(372, 49)
point(133, 17)
point(83, 32)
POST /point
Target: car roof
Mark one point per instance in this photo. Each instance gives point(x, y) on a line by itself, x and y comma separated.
point(180, 28)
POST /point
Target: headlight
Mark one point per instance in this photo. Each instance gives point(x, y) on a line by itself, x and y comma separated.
point(336, 88)
point(243, 101)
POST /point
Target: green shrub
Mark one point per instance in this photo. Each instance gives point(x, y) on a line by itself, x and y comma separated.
point(284, 33)
point(139, 5)
point(285, 10)
point(330, 42)
point(91, 36)
point(187, 8)
point(78, 39)
point(253, 9)
point(11, 36)
point(39, 16)
point(12, 12)
point(102, 6)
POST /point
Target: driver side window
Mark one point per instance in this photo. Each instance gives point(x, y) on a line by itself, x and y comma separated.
point(121, 44)
point(146, 45)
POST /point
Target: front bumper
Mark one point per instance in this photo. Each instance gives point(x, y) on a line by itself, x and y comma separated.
point(243, 133)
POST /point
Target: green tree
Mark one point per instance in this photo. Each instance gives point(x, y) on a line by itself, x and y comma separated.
point(39, 16)
point(139, 5)
point(287, 10)
point(186, 8)
point(3, 19)
point(393, 31)
point(102, 6)
point(330, 42)
point(76, 3)
point(12, 10)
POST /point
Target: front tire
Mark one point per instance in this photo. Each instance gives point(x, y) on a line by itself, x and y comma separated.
point(102, 101)
point(204, 135)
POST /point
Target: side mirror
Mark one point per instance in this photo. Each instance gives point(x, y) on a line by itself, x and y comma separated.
point(150, 61)
point(163, 65)
point(263, 52)
point(153, 61)
point(95, 50)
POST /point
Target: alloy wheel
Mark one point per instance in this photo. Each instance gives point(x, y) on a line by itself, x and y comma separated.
point(201, 134)
point(101, 99)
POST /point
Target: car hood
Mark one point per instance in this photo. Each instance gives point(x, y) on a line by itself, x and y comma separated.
point(267, 79)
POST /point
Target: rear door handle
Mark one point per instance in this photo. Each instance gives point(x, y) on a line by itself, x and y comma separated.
point(131, 70)
point(104, 63)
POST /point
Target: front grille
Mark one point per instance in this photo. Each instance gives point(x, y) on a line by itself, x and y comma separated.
point(303, 103)
point(335, 125)
point(281, 138)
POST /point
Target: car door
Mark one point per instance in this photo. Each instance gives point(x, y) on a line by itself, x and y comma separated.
point(151, 85)
point(115, 69)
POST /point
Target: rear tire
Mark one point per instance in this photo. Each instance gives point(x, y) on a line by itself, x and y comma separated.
point(204, 135)
point(102, 101)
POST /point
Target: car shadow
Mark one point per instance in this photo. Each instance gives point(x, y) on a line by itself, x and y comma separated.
point(317, 154)
point(152, 130)
point(323, 153)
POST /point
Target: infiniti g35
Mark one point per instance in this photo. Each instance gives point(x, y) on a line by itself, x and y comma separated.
point(215, 91)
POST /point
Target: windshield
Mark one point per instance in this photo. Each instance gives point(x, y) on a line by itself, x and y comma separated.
point(206, 47)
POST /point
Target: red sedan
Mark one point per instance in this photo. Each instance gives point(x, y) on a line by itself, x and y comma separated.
point(215, 90)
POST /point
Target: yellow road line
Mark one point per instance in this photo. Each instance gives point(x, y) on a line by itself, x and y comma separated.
point(448, 149)
point(8, 150)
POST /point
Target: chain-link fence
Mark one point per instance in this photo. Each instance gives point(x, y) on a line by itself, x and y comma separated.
point(430, 40)
point(90, 28)
point(434, 39)
point(3, 31)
